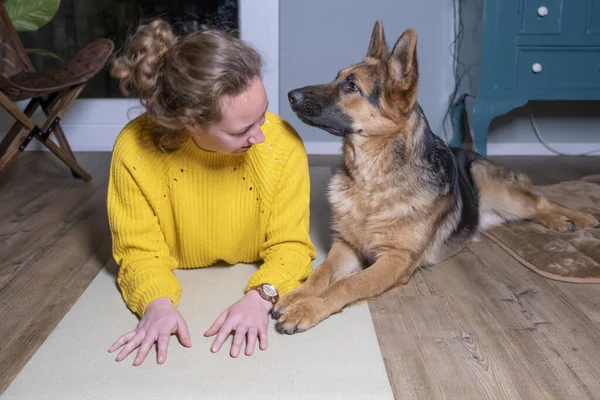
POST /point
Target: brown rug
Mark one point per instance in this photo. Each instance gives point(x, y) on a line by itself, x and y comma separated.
point(570, 257)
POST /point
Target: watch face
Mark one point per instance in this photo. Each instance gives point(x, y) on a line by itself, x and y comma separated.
point(269, 290)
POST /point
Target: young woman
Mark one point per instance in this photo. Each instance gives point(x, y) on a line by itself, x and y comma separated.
point(207, 174)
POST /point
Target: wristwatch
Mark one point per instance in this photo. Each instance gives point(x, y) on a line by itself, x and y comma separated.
point(267, 292)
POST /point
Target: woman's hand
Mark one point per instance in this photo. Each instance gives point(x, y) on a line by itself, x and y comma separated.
point(249, 318)
point(161, 319)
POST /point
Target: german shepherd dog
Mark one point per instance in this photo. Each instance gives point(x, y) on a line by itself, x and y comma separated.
point(403, 199)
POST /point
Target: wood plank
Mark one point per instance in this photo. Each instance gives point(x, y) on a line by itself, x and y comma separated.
point(53, 241)
point(488, 328)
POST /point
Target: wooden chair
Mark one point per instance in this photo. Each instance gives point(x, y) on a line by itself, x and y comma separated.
point(54, 91)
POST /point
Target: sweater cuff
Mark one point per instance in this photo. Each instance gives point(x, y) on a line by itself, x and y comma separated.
point(152, 291)
point(143, 281)
point(284, 280)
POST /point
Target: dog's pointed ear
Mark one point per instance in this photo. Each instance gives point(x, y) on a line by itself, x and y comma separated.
point(377, 46)
point(402, 64)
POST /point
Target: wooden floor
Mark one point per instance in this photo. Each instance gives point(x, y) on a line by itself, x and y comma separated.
point(478, 326)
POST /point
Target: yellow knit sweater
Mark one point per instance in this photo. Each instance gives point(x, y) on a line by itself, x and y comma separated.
point(193, 208)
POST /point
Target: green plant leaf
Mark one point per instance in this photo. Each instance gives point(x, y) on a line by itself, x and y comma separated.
point(45, 53)
point(31, 15)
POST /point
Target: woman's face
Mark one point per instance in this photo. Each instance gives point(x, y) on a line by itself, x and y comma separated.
point(240, 127)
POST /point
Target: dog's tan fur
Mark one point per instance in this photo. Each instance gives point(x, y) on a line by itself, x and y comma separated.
point(394, 208)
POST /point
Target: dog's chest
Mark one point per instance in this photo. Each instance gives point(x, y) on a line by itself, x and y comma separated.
point(366, 216)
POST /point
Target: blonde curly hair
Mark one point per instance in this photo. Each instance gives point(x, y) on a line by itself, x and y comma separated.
point(181, 80)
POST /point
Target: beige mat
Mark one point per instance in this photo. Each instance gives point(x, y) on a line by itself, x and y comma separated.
point(338, 359)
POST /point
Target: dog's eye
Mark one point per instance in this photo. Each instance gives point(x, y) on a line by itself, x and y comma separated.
point(350, 87)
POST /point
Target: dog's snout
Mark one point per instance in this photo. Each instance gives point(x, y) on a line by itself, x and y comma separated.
point(295, 96)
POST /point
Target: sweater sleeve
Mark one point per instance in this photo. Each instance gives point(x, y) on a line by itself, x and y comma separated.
point(139, 246)
point(287, 252)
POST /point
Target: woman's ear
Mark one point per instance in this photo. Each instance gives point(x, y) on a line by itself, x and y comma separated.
point(191, 125)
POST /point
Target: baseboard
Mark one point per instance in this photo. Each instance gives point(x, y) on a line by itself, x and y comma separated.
point(323, 148)
point(537, 149)
point(494, 149)
point(102, 138)
point(86, 137)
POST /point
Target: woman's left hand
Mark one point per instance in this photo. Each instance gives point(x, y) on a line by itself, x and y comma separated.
point(249, 318)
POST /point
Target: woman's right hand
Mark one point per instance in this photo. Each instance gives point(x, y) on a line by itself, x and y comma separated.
point(161, 319)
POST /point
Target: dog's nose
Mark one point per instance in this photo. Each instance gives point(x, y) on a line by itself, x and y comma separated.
point(295, 96)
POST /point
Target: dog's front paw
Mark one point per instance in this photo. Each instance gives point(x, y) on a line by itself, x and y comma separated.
point(287, 300)
point(300, 316)
point(283, 304)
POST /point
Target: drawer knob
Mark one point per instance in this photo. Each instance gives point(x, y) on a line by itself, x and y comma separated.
point(542, 11)
point(536, 68)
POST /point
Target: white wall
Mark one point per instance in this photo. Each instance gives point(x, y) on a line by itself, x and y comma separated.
point(320, 37)
point(306, 42)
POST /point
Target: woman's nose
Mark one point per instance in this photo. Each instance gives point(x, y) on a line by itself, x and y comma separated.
point(258, 137)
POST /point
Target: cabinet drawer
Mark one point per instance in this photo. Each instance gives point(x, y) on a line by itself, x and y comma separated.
point(541, 17)
point(557, 67)
point(554, 22)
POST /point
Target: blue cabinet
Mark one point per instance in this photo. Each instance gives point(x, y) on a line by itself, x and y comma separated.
point(514, 51)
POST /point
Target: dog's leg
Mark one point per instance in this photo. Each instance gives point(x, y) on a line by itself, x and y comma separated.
point(390, 269)
point(509, 196)
point(341, 261)
point(548, 212)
